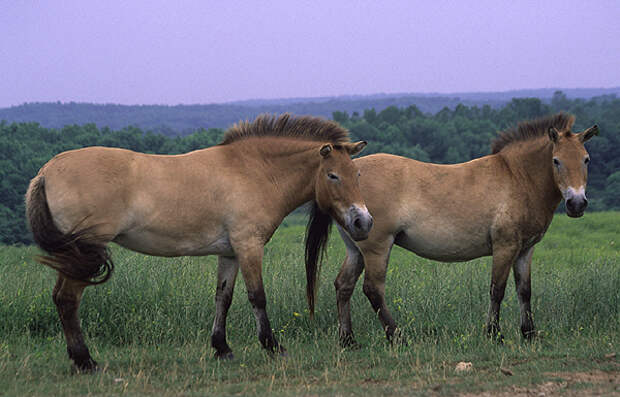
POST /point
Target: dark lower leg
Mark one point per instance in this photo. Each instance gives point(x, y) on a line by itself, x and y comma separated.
point(527, 320)
point(524, 292)
point(497, 295)
point(504, 256)
point(376, 261)
point(67, 295)
point(265, 335)
point(226, 277)
point(345, 284)
point(376, 296)
point(345, 329)
point(250, 261)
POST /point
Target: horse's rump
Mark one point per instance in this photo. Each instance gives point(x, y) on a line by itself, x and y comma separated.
point(78, 254)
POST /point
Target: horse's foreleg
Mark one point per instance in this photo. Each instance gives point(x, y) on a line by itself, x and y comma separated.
point(250, 261)
point(376, 261)
point(503, 258)
point(523, 284)
point(227, 269)
point(345, 284)
point(67, 296)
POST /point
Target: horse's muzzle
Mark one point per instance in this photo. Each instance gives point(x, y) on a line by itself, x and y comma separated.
point(575, 207)
point(358, 222)
point(576, 203)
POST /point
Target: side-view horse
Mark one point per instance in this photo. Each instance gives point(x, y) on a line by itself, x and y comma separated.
point(499, 205)
point(225, 200)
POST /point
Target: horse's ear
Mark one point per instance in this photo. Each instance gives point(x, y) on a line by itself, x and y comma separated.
point(589, 133)
point(356, 148)
point(554, 134)
point(326, 150)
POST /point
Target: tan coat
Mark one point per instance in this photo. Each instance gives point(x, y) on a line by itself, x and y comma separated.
point(499, 205)
point(226, 200)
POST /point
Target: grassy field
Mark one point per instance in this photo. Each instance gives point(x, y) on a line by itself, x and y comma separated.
point(149, 326)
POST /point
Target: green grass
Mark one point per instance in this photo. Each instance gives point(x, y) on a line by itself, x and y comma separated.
point(149, 326)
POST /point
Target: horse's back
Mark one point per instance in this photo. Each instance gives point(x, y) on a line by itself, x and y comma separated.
point(87, 186)
point(156, 204)
point(442, 212)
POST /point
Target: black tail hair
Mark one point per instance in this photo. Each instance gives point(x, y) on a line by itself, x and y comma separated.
point(79, 254)
point(317, 234)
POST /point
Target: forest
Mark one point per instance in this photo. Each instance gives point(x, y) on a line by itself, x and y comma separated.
point(450, 135)
point(185, 119)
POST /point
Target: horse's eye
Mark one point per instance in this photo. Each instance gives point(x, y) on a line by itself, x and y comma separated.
point(556, 162)
point(586, 160)
point(332, 176)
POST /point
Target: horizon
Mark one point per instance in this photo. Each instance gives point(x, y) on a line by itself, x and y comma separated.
point(240, 102)
point(192, 53)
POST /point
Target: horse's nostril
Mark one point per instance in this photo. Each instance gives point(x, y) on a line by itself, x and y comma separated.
point(357, 223)
point(577, 204)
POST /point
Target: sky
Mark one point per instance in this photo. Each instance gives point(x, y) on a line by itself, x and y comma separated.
point(195, 51)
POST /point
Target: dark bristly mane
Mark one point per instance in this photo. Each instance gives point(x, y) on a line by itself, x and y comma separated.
point(532, 129)
point(286, 125)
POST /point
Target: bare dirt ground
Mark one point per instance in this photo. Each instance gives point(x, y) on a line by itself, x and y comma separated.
point(591, 383)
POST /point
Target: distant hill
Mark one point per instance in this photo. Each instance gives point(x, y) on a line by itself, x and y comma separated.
point(183, 119)
point(481, 98)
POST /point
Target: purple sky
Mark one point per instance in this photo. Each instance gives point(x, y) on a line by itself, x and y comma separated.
point(171, 52)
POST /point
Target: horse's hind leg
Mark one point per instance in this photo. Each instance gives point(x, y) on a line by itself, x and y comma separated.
point(250, 261)
point(350, 271)
point(227, 269)
point(503, 258)
point(523, 284)
point(376, 259)
point(67, 296)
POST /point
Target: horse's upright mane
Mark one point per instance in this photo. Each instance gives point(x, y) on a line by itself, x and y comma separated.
point(304, 127)
point(532, 129)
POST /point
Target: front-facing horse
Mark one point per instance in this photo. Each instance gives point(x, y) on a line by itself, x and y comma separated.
point(226, 200)
point(499, 205)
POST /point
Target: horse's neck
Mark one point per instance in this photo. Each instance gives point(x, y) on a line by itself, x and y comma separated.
point(530, 163)
point(291, 168)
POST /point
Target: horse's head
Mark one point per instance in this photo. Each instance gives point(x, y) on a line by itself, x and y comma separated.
point(570, 167)
point(337, 189)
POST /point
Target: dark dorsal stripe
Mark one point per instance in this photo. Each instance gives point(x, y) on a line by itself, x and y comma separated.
point(304, 128)
point(532, 129)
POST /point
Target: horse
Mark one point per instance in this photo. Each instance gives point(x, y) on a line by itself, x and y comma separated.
point(226, 200)
point(500, 205)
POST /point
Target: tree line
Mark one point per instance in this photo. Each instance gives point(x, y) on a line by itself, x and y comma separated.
point(185, 119)
point(447, 136)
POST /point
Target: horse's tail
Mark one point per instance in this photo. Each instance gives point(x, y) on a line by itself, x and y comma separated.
point(78, 255)
point(317, 233)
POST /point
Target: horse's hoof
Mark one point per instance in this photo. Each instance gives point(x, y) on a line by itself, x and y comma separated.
point(529, 333)
point(226, 355)
point(495, 334)
point(278, 351)
point(398, 340)
point(529, 336)
point(88, 366)
point(496, 337)
point(349, 343)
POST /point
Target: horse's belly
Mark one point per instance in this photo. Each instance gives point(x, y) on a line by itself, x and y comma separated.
point(445, 246)
point(164, 245)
